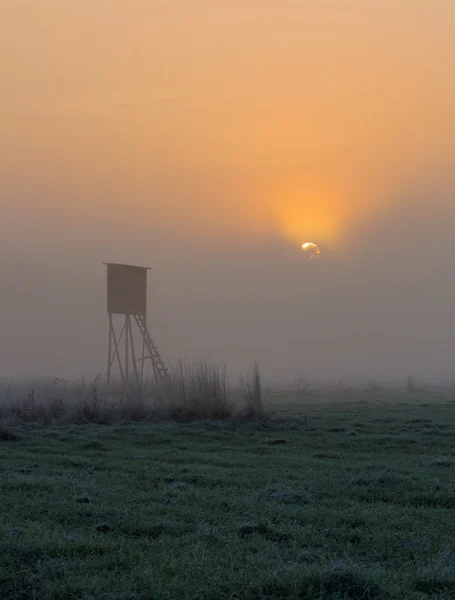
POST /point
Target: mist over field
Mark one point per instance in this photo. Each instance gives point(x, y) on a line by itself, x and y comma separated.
point(381, 307)
point(211, 163)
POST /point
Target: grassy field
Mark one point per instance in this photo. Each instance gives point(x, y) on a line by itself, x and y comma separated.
point(335, 497)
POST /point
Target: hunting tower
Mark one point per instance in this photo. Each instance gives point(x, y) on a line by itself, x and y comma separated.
point(127, 296)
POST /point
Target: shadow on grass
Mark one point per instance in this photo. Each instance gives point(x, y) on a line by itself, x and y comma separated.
point(8, 435)
point(325, 586)
point(435, 586)
point(267, 532)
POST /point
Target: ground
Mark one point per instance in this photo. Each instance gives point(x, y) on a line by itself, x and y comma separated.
point(356, 500)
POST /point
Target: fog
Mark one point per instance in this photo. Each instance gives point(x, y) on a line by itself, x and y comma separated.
point(380, 307)
point(213, 170)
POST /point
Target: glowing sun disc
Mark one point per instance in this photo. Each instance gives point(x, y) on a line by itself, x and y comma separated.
point(311, 249)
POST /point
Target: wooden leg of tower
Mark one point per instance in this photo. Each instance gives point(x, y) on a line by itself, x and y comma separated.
point(109, 364)
point(117, 353)
point(142, 361)
point(127, 346)
point(133, 352)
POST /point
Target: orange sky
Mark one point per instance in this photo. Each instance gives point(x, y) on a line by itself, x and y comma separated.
point(289, 116)
point(208, 139)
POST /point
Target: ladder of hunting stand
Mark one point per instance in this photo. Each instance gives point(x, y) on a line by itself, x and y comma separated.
point(159, 368)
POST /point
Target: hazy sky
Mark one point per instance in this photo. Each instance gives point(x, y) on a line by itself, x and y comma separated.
point(209, 140)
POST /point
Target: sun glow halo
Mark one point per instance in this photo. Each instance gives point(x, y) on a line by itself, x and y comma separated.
point(311, 249)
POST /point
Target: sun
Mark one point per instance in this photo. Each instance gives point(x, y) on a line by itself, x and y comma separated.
point(311, 249)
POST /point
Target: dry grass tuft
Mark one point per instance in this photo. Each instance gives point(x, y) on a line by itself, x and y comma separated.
point(252, 389)
point(195, 390)
point(410, 384)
